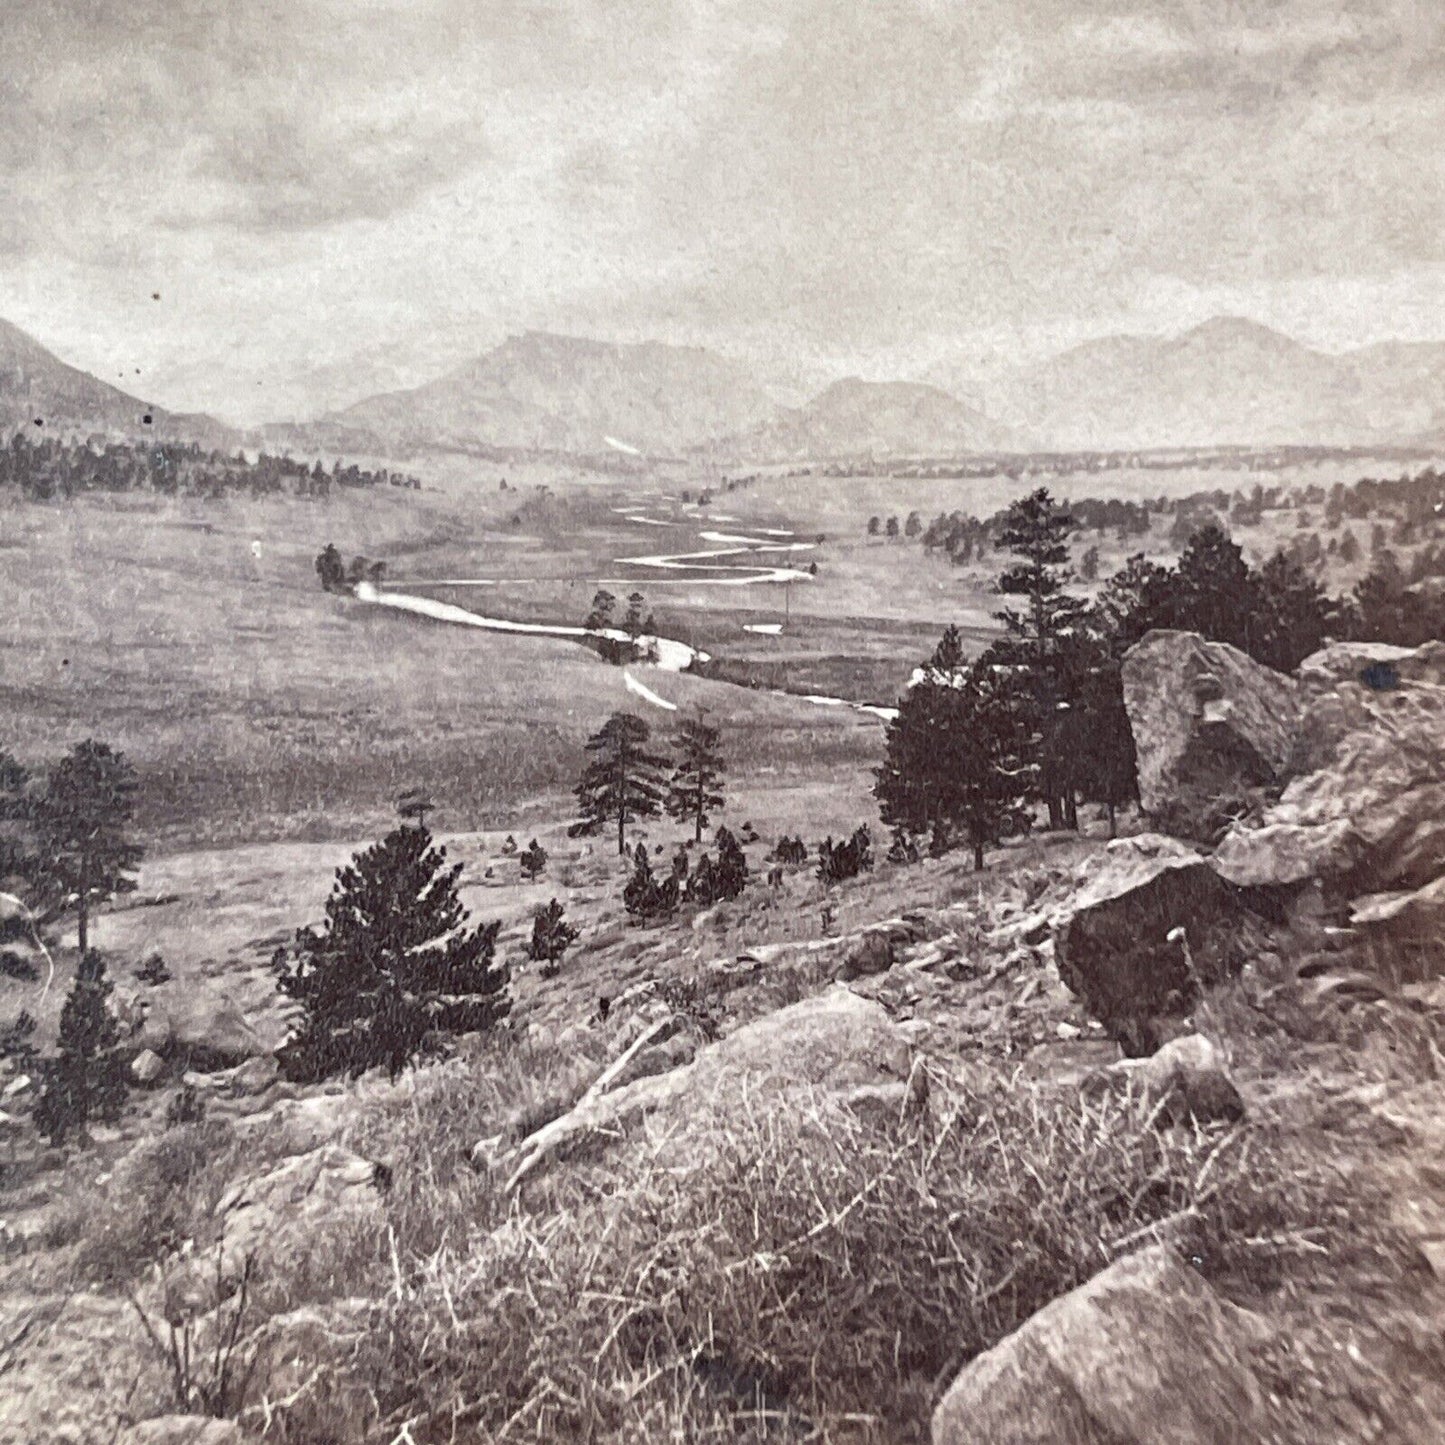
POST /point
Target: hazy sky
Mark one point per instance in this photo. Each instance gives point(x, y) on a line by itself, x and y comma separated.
point(329, 196)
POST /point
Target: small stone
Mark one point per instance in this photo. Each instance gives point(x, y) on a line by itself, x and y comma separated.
point(147, 1067)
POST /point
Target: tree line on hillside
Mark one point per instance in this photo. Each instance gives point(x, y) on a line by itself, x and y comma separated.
point(1406, 511)
point(1038, 717)
point(46, 468)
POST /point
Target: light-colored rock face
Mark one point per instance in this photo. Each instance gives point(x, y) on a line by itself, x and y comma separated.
point(190, 1021)
point(1366, 810)
point(1212, 728)
point(824, 1049)
point(184, 1430)
point(1142, 1353)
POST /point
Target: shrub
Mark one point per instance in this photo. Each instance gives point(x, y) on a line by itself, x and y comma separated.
point(532, 861)
point(552, 936)
point(86, 1077)
point(838, 862)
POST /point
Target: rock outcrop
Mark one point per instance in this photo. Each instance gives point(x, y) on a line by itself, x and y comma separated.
point(1147, 923)
point(1365, 810)
point(1144, 1352)
point(192, 1024)
point(1214, 731)
point(822, 1049)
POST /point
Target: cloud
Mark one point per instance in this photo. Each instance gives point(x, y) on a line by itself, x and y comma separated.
point(408, 179)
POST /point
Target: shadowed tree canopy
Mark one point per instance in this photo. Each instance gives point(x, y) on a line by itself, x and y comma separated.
point(85, 1078)
point(623, 781)
point(395, 967)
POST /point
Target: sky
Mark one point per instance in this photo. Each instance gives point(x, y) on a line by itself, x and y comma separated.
point(268, 208)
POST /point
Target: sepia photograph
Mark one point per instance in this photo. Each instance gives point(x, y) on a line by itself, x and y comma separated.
point(722, 721)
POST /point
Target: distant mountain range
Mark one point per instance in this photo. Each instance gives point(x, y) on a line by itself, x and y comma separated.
point(40, 393)
point(878, 418)
point(540, 392)
point(1226, 381)
point(1229, 381)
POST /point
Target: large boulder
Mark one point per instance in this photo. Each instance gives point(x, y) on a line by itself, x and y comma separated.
point(1214, 731)
point(196, 1025)
point(1365, 812)
point(821, 1050)
point(1147, 922)
point(1144, 1352)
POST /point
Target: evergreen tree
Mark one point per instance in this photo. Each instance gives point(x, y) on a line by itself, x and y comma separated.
point(1213, 590)
point(643, 896)
point(1036, 530)
point(731, 874)
point(1105, 742)
point(394, 969)
point(1040, 643)
point(600, 620)
point(1136, 599)
point(632, 623)
point(552, 936)
point(532, 860)
point(85, 854)
point(892, 529)
point(86, 1077)
point(1293, 614)
point(957, 757)
point(623, 782)
point(695, 789)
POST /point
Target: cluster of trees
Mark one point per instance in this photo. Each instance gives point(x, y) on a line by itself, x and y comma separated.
point(624, 781)
point(338, 576)
point(602, 619)
point(46, 467)
point(648, 898)
point(838, 862)
point(890, 529)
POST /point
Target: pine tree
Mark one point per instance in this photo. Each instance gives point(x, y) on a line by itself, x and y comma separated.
point(552, 936)
point(1213, 589)
point(86, 1077)
point(1293, 614)
point(643, 896)
point(85, 853)
point(623, 782)
point(394, 969)
point(532, 860)
point(695, 789)
point(957, 756)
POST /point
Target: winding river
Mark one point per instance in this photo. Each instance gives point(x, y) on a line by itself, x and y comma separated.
point(666, 654)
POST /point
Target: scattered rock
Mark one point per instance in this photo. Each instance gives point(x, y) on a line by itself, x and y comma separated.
point(1213, 730)
point(1188, 1076)
point(197, 1025)
point(147, 1067)
point(873, 953)
point(822, 1049)
point(277, 1212)
point(1144, 1352)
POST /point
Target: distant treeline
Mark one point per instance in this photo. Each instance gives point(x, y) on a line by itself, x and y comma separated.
point(1414, 504)
point(47, 468)
point(1063, 464)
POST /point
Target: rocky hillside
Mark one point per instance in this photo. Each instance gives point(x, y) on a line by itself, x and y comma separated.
point(1119, 1141)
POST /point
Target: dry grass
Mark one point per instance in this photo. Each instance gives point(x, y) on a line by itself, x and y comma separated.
point(818, 1279)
